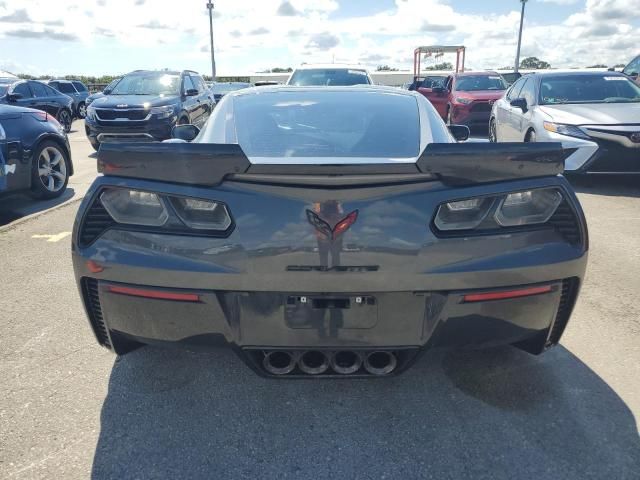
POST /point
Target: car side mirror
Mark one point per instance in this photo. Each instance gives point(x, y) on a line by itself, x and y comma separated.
point(633, 74)
point(611, 69)
point(185, 132)
point(12, 97)
point(192, 92)
point(520, 103)
point(459, 132)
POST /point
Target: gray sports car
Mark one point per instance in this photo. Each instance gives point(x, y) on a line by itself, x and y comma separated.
point(329, 231)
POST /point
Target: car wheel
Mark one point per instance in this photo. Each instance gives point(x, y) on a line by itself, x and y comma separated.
point(531, 136)
point(64, 118)
point(82, 110)
point(50, 171)
point(493, 136)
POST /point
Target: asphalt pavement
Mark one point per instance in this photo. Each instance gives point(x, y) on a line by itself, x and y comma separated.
point(70, 409)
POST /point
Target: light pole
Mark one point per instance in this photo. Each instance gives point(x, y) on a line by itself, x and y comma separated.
point(213, 58)
point(519, 36)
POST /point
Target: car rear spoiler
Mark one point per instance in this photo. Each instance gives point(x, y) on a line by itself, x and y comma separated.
point(209, 164)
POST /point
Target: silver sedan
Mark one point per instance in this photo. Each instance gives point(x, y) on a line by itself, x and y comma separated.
point(596, 114)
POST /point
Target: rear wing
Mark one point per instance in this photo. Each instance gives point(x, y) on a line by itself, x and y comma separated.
point(209, 164)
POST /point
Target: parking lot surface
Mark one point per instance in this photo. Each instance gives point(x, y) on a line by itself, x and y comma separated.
point(70, 409)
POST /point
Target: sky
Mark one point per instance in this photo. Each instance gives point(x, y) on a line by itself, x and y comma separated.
point(96, 37)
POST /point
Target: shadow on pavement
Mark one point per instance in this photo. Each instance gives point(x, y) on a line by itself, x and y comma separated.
point(498, 413)
point(610, 185)
point(20, 205)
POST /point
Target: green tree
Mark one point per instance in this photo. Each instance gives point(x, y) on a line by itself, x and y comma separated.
point(440, 66)
point(619, 65)
point(385, 68)
point(597, 65)
point(534, 63)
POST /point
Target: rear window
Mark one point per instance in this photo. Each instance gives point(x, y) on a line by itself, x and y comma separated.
point(599, 88)
point(65, 87)
point(329, 76)
point(328, 124)
point(474, 83)
point(80, 86)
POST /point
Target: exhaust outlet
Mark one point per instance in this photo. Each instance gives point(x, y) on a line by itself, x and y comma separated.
point(345, 362)
point(380, 363)
point(278, 362)
point(313, 362)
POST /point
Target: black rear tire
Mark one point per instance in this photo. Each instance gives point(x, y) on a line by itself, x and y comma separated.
point(65, 119)
point(82, 110)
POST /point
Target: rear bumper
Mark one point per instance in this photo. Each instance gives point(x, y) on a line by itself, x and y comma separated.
point(253, 322)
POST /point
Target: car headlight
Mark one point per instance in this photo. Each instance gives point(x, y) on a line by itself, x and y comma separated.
point(170, 213)
point(134, 207)
point(163, 112)
point(528, 207)
point(91, 113)
point(464, 101)
point(562, 129)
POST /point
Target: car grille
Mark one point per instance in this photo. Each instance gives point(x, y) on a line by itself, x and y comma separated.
point(94, 310)
point(613, 157)
point(95, 222)
point(565, 221)
point(565, 307)
point(128, 114)
point(481, 107)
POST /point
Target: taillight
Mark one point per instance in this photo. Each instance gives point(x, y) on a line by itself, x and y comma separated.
point(45, 117)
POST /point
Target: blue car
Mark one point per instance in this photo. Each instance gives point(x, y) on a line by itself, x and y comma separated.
point(145, 106)
point(75, 89)
point(34, 153)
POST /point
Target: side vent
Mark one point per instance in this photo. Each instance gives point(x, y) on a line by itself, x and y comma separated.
point(565, 307)
point(92, 302)
point(565, 221)
point(95, 222)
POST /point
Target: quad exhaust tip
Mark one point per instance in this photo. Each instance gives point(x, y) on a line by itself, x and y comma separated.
point(380, 362)
point(346, 362)
point(317, 362)
point(313, 362)
point(279, 362)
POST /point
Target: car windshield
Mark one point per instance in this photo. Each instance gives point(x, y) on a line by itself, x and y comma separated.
point(314, 124)
point(155, 83)
point(473, 83)
point(602, 88)
point(328, 76)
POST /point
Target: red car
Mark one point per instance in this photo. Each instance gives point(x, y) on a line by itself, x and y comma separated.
point(466, 98)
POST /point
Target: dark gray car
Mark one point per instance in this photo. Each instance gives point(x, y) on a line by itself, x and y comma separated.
point(77, 91)
point(331, 231)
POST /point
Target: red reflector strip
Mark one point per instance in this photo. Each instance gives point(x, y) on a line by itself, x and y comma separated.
point(157, 294)
point(522, 292)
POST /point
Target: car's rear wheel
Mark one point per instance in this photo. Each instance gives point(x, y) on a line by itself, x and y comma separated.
point(82, 110)
point(50, 171)
point(493, 136)
point(64, 118)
